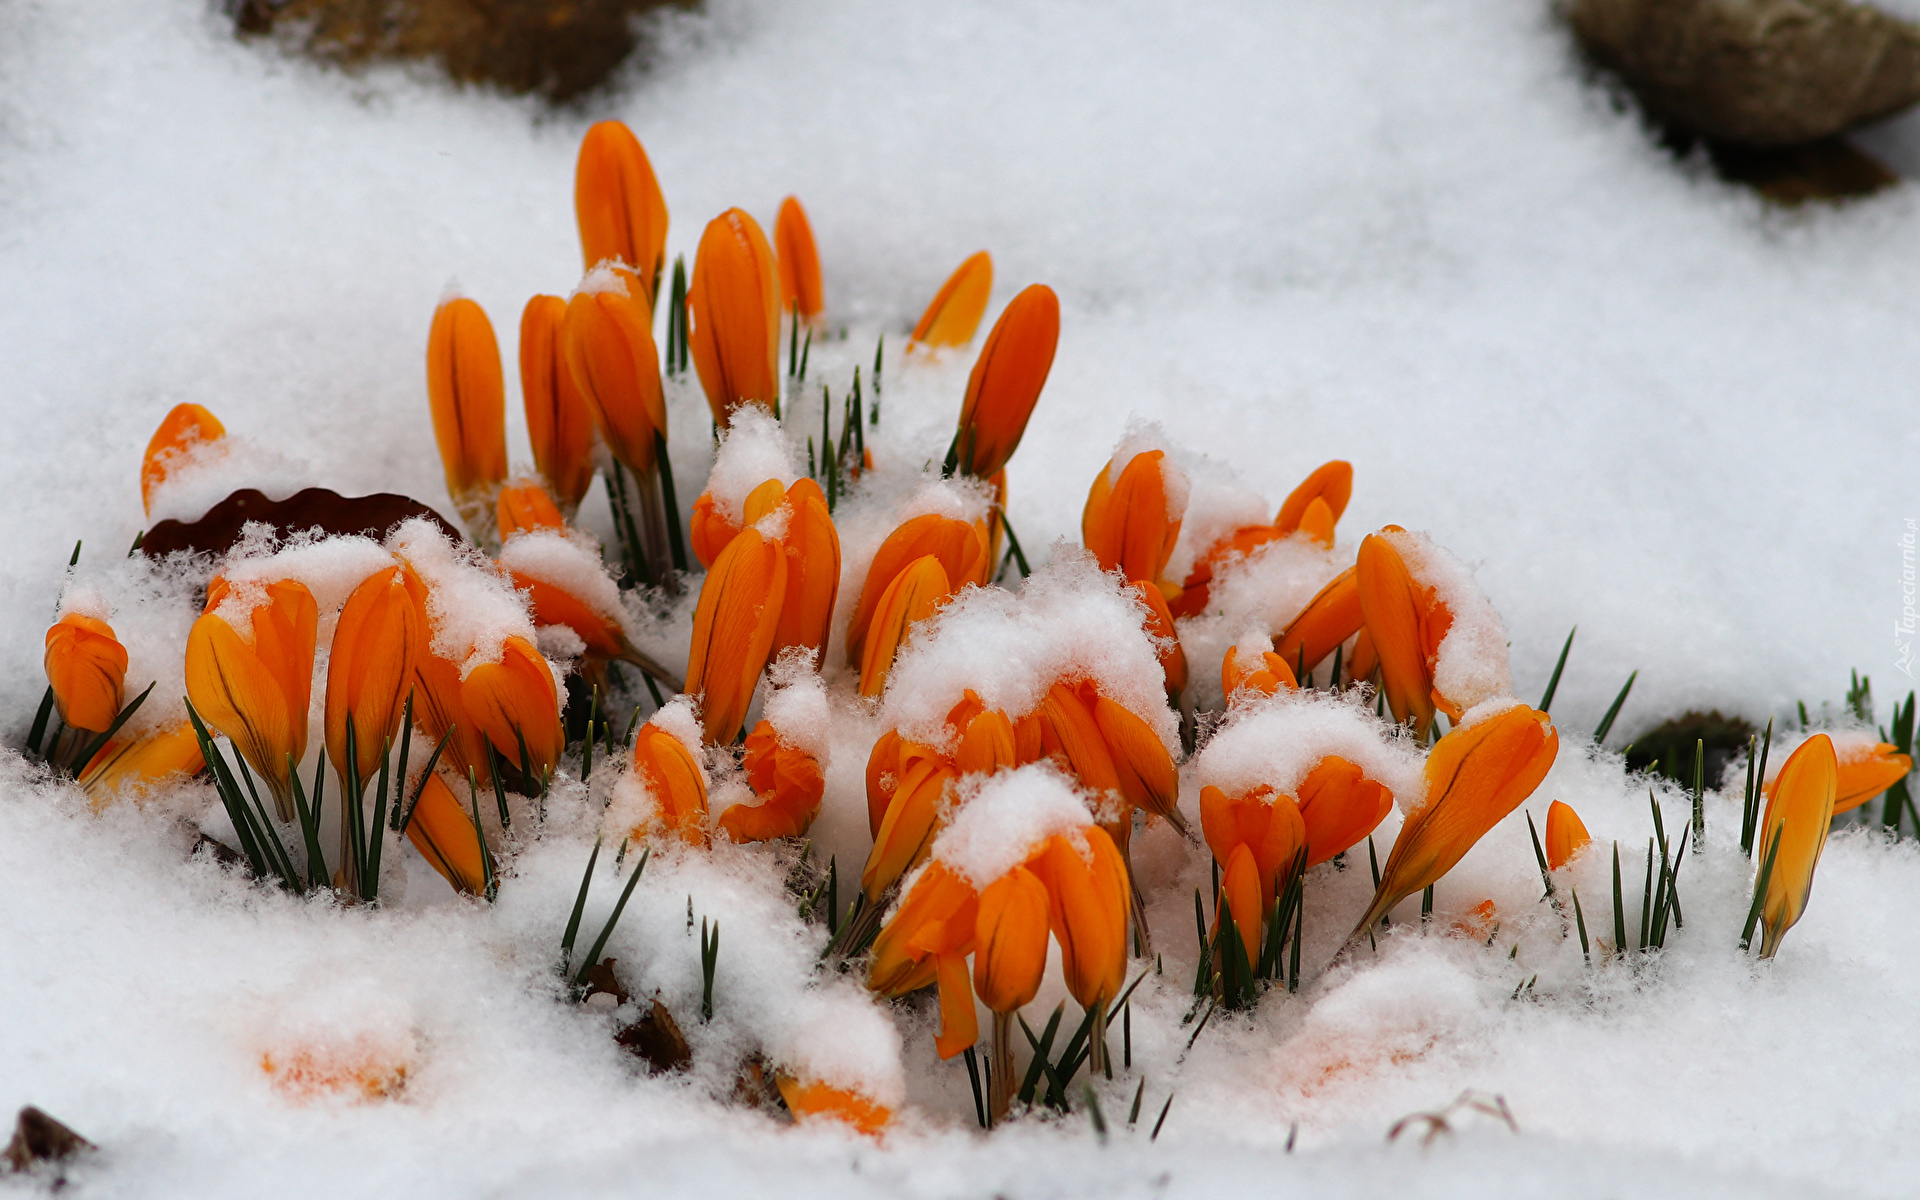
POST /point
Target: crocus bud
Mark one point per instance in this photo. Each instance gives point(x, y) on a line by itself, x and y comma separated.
point(986, 742)
point(613, 360)
point(907, 828)
point(913, 596)
point(799, 263)
point(733, 630)
point(1793, 832)
point(87, 667)
point(1240, 892)
point(1566, 836)
point(135, 764)
point(442, 831)
point(526, 506)
point(436, 698)
point(1088, 897)
point(1866, 770)
point(787, 782)
point(957, 307)
point(186, 426)
point(617, 201)
point(733, 309)
point(1475, 776)
point(469, 405)
point(1006, 382)
point(1269, 825)
point(1130, 522)
point(1407, 622)
point(1147, 777)
point(1159, 626)
point(370, 673)
point(1330, 618)
point(559, 420)
point(514, 701)
point(1264, 676)
point(956, 544)
point(812, 547)
point(1339, 805)
point(255, 688)
point(1332, 485)
point(1010, 940)
point(675, 780)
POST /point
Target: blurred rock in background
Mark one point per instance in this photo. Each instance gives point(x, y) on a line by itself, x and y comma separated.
point(557, 49)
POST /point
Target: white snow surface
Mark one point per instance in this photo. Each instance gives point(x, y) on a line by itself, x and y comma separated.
point(1001, 819)
point(1416, 235)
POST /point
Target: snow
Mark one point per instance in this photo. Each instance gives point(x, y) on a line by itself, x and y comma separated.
point(1413, 235)
point(999, 821)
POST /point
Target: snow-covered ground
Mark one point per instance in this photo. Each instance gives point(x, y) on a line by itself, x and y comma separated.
point(1412, 234)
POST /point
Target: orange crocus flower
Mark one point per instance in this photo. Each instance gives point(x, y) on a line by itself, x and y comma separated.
point(1269, 825)
point(957, 307)
point(1794, 832)
point(515, 700)
point(908, 823)
point(956, 544)
point(1566, 835)
point(1006, 382)
point(733, 630)
point(1128, 523)
point(255, 689)
point(1108, 748)
point(1331, 484)
point(87, 668)
point(675, 780)
point(526, 506)
point(799, 262)
point(812, 547)
point(733, 308)
point(141, 762)
point(914, 595)
point(469, 405)
point(617, 201)
point(1475, 776)
point(1241, 887)
point(370, 673)
point(611, 354)
point(442, 831)
point(1159, 626)
point(935, 917)
point(1264, 677)
point(1010, 940)
point(1340, 805)
point(183, 428)
point(788, 783)
point(436, 698)
point(812, 1099)
point(559, 420)
point(1330, 618)
point(1406, 621)
point(1865, 772)
point(1088, 902)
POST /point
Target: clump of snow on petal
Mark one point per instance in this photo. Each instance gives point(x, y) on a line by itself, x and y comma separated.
point(473, 608)
point(1002, 819)
point(797, 705)
point(1275, 741)
point(1144, 437)
point(329, 567)
point(570, 561)
point(601, 278)
point(1472, 662)
point(1070, 621)
point(754, 450)
point(1261, 591)
point(1218, 503)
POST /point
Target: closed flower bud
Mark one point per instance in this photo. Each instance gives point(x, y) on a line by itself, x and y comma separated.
point(1130, 522)
point(1264, 676)
point(468, 399)
point(812, 547)
point(442, 831)
point(1240, 898)
point(1006, 382)
point(956, 544)
point(907, 827)
point(1566, 836)
point(183, 428)
point(137, 763)
point(1010, 940)
point(913, 596)
point(559, 420)
point(611, 355)
point(799, 263)
point(617, 200)
point(370, 674)
point(1331, 485)
point(255, 688)
point(1330, 618)
point(733, 311)
point(1339, 805)
point(733, 630)
point(954, 316)
point(675, 780)
point(1794, 832)
point(787, 782)
point(87, 668)
point(1269, 825)
point(1159, 626)
point(1475, 776)
point(524, 507)
point(1406, 622)
point(1866, 770)
point(513, 702)
point(1088, 897)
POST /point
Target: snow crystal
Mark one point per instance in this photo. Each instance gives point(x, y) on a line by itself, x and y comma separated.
point(1275, 741)
point(1001, 819)
point(754, 450)
point(798, 707)
point(601, 278)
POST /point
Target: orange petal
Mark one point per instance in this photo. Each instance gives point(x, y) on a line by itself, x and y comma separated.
point(812, 1100)
point(559, 421)
point(1010, 940)
point(986, 745)
point(526, 506)
point(914, 595)
point(1331, 484)
point(1794, 831)
point(799, 262)
point(442, 831)
point(675, 780)
point(812, 546)
point(788, 783)
point(1475, 776)
point(1365, 660)
point(959, 1026)
point(1866, 774)
point(183, 428)
point(515, 699)
point(1147, 777)
point(957, 307)
point(1566, 836)
point(883, 776)
point(1317, 522)
point(955, 543)
point(256, 691)
point(468, 399)
point(1329, 619)
point(1088, 907)
point(733, 630)
point(1240, 900)
point(1006, 381)
point(935, 917)
point(611, 355)
point(139, 763)
point(1159, 626)
point(1339, 806)
point(709, 529)
point(1394, 607)
point(1069, 721)
point(551, 604)
point(1264, 678)
point(87, 668)
point(370, 672)
point(617, 201)
point(1128, 524)
point(733, 309)
point(907, 829)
